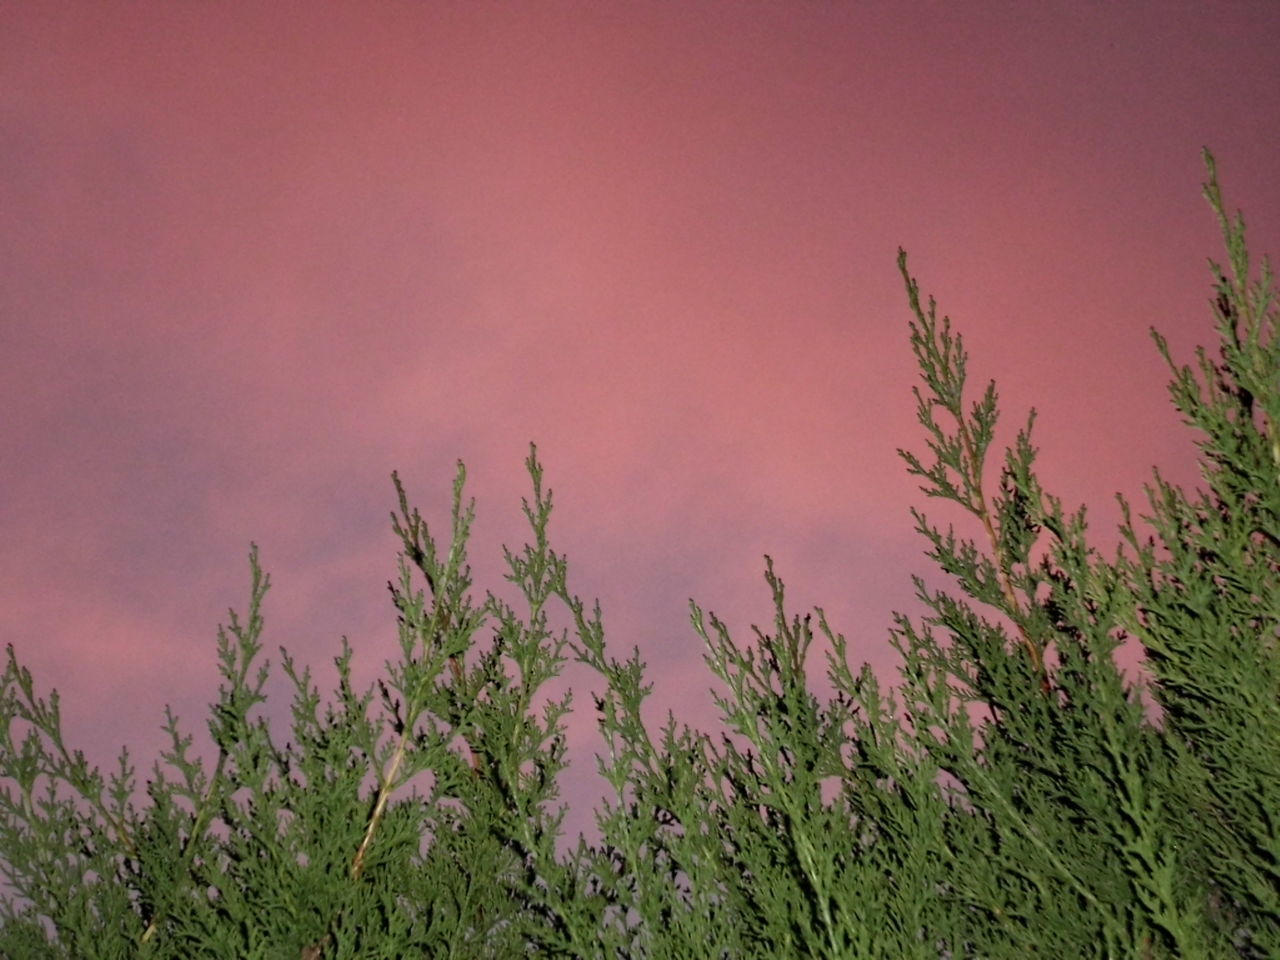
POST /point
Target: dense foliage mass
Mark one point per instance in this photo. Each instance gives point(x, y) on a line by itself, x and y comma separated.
point(1011, 796)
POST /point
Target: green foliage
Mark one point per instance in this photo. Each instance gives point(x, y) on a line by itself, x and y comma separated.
point(1011, 796)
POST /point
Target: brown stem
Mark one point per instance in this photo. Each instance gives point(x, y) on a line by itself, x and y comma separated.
point(315, 950)
point(1006, 583)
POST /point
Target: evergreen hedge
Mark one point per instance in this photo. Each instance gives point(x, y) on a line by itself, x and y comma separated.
point(1011, 796)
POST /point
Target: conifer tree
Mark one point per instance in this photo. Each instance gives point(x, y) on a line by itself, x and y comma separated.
point(1012, 795)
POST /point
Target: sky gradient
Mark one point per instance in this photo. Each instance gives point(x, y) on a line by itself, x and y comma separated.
point(257, 256)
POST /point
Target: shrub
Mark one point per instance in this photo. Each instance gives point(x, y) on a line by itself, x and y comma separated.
point(1011, 796)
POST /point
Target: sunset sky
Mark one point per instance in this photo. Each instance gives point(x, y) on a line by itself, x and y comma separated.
point(256, 256)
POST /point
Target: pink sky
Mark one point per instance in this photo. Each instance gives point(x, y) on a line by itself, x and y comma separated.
point(257, 256)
